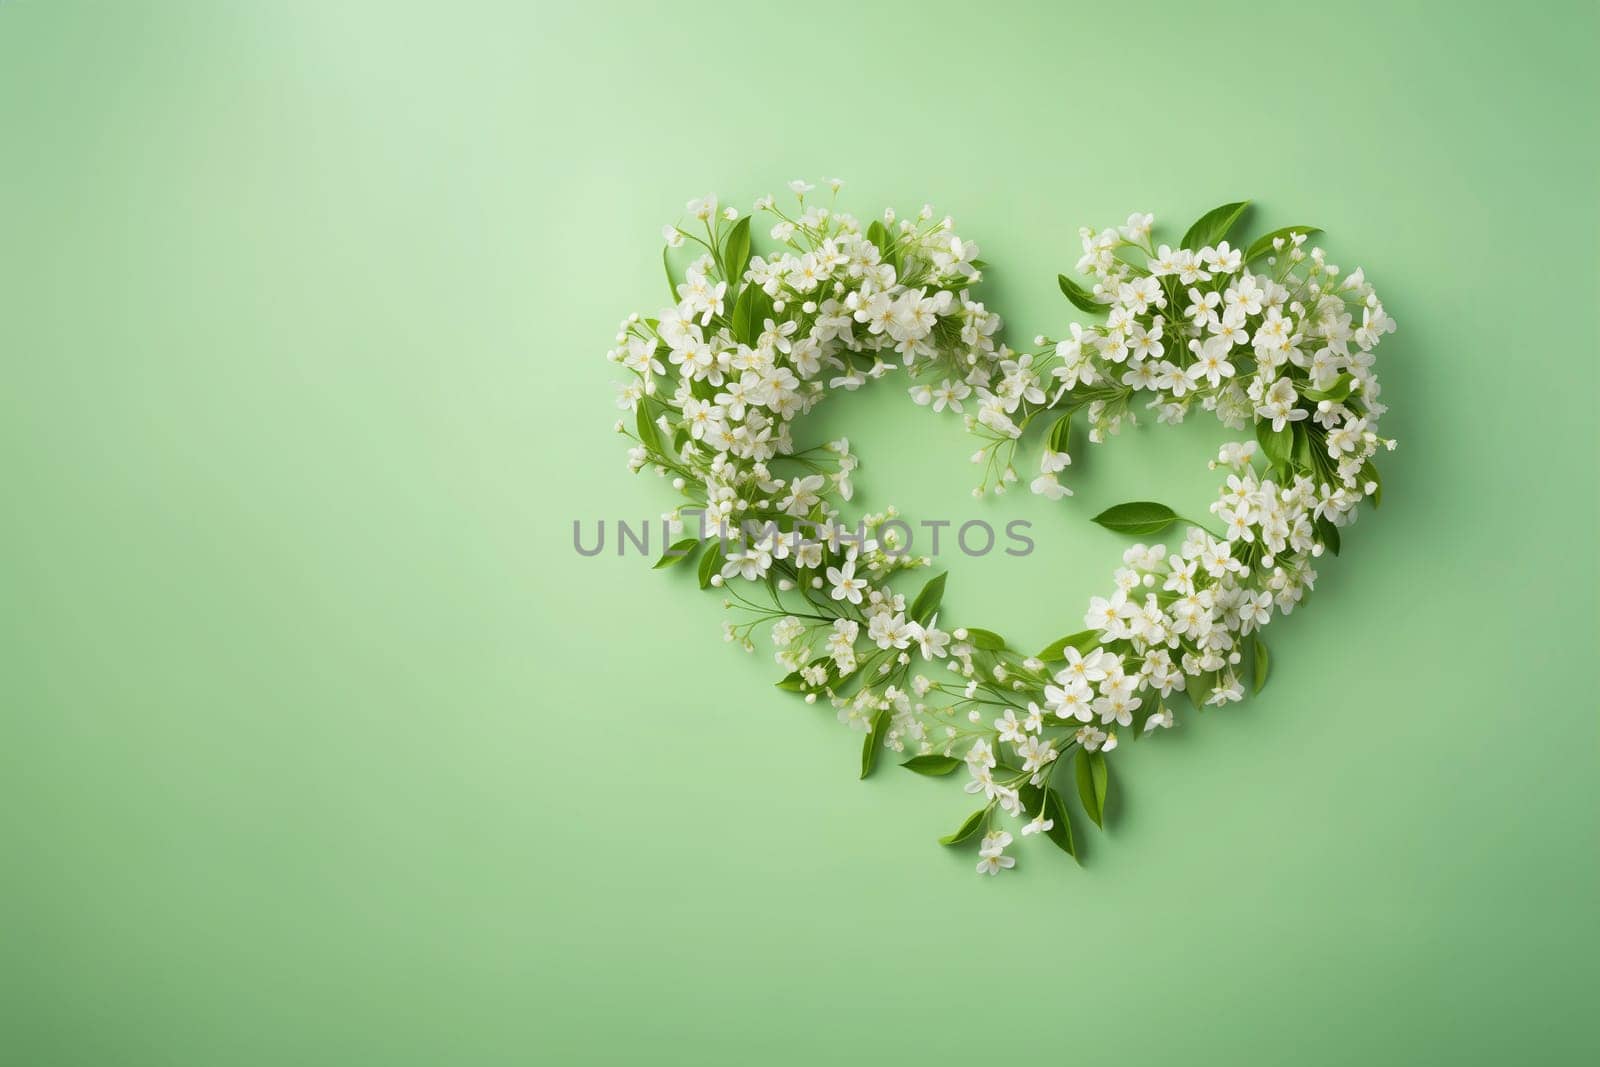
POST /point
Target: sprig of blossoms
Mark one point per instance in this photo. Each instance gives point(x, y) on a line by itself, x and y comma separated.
point(753, 342)
point(1279, 345)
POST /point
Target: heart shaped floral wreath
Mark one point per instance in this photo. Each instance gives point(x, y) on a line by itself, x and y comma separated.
point(1272, 335)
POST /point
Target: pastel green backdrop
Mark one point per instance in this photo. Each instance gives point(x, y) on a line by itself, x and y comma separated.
point(321, 746)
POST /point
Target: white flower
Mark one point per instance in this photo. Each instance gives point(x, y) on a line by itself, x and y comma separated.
point(1117, 708)
point(1223, 259)
point(1048, 486)
point(992, 851)
point(932, 641)
point(1244, 295)
point(1038, 825)
point(1052, 462)
point(1109, 613)
point(1374, 324)
point(1138, 226)
point(1035, 720)
point(750, 564)
point(786, 630)
point(1211, 360)
point(841, 643)
point(950, 394)
point(1226, 692)
point(1278, 405)
point(980, 754)
point(1190, 267)
point(846, 586)
point(802, 494)
point(889, 630)
point(1090, 738)
point(641, 357)
point(1035, 753)
point(1237, 453)
point(1145, 557)
point(1203, 307)
point(1164, 262)
point(1070, 700)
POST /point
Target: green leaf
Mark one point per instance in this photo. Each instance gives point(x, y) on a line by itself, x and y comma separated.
point(672, 283)
point(760, 311)
point(1338, 392)
point(972, 825)
point(1262, 246)
point(1276, 445)
point(1083, 641)
point(710, 564)
point(874, 740)
point(1048, 801)
point(885, 242)
point(677, 553)
point(1302, 446)
point(927, 603)
point(1081, 298)
point(987, 640)
point(1061, 832)
point(751, 309)
point(878, 234)
point(1214, 225)
point(647, 429)
point(1261, 663)
point(932, 766)
point(1090, 770)
point(1060, 434)
point(744, 329)
point(1138, 518)
point(736, 253)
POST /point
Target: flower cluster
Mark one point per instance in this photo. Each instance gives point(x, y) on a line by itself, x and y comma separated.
point(751, 343)
point(1280, 345)
point(1287, 346)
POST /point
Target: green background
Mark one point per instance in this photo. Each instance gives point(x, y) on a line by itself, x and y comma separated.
point(321, 746)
